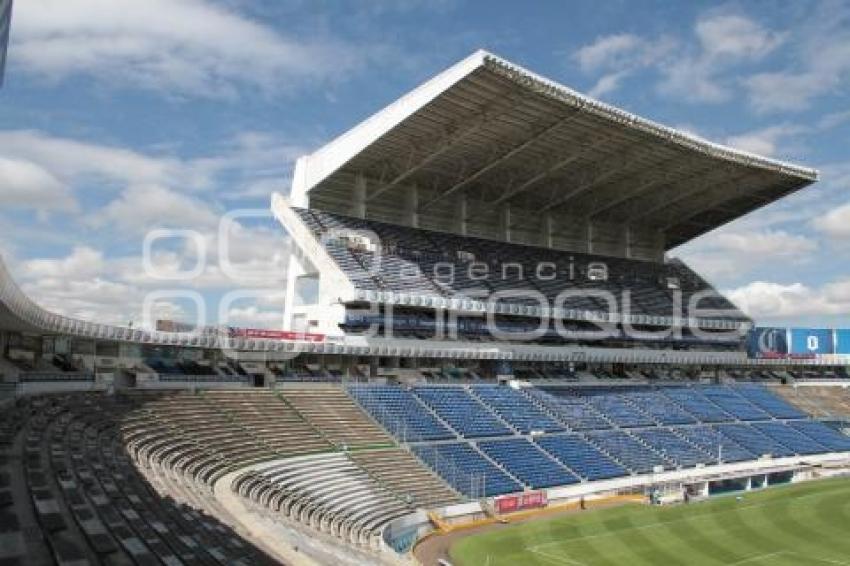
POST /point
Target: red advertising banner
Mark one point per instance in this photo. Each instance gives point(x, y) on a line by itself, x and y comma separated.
point(511, 503)
point(278, 335)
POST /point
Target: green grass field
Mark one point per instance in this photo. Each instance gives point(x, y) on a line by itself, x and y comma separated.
point(804, 524)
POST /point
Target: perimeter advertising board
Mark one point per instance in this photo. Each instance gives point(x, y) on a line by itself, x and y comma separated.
point(768, 343)
point(811, 342)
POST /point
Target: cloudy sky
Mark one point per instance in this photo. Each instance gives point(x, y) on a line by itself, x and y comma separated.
point(119, 116)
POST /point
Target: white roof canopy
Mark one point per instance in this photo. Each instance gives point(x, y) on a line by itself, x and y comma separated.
point(498, 134)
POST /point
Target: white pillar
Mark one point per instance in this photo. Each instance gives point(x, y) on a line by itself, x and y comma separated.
point(358, 199)
point(506, 222)
point(460, 215)
point(411, 206)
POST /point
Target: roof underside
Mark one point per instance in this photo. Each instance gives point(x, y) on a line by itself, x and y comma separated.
point(501, 135)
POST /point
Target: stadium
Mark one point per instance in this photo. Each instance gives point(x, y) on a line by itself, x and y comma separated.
point(488, 357)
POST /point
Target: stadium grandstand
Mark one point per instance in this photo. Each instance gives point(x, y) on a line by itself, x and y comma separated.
point(481, 318)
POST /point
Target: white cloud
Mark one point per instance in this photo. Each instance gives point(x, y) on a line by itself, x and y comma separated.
point(764, 141)
point(766, 300)
point(140, 208)
point(28, 185)
point(71, 160)
point(733, 35)
point(193, 47)
point(729, 253)
point(609, 51)
point(692, 68)
point(835, 223)
point(620, 55)
point(820, 66)
point(82, 263)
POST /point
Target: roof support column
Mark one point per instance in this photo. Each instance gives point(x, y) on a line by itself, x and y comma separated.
point(505, 220)
point(589, 235)
point(358, 197)
point(411, 206)
point(460, 215)
point(660, 245)
point(627, 242)
point(547, 229)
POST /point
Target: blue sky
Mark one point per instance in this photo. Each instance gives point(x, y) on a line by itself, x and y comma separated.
point(120, 116)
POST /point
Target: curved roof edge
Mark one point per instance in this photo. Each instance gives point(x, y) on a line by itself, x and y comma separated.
point(320, 164)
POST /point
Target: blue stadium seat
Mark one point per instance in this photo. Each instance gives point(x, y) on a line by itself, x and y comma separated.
point(790, 437)
point(695, 403)
point(732, 403)
point(628, 451)
point(527, 462)
point(581, 457)
point(516, 409)
point(462, 411)
point(668, 444)
point(823, 434)
point(573, 411)
point(400, 412)
point(618, 410)
point(767, 401)
point(718, 446)
point(754, 441)
point(466, 470)
point(660, 408)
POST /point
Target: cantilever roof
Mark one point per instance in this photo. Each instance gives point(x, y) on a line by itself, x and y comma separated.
point(502, 134)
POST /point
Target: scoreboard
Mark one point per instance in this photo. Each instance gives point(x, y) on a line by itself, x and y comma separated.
point(798, 343)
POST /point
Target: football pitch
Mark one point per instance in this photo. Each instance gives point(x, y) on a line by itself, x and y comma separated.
point(794, 525)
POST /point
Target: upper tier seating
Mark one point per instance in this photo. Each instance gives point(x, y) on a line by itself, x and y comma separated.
point(399, 411)
point(581, 457)
point(335, 415)
point(462, 411)
point(466, 470)
point(527, 462)
point(408, 256)
point(517, 409)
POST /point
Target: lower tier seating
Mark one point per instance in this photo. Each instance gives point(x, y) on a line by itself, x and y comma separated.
point(829, 402)
point(527, 462)
point(466, 469)
point(631, 453)
point(327, 492)
point(335, 415)
point(581, 457)
point(403, 473)
point(70, 495)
